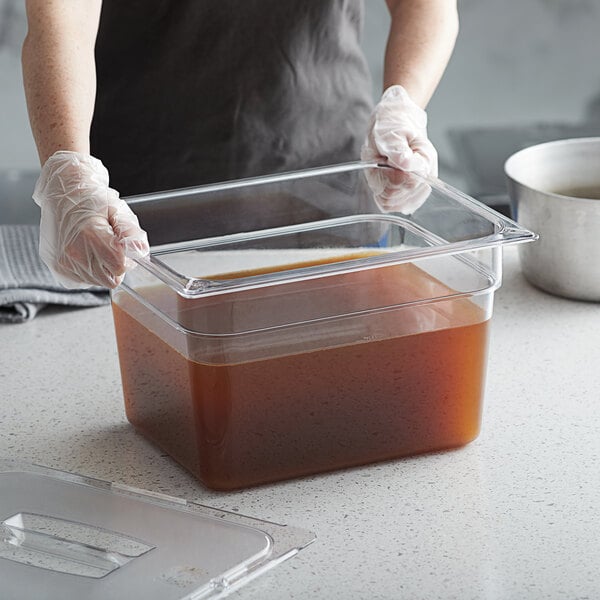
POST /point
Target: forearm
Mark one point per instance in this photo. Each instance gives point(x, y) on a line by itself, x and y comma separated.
point(420, 43)
point(59, 73)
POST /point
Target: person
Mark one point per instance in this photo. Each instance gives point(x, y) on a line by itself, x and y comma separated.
point(175, 93)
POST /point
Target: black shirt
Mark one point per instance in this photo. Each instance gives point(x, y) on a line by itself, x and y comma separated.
point(194, 91)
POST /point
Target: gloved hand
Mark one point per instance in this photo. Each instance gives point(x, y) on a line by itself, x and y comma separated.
point(87, 233)
point(397, 137)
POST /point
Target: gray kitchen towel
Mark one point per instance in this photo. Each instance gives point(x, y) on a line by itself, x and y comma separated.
point(26, 284)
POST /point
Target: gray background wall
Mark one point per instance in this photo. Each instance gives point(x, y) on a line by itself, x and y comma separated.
point(517, 63)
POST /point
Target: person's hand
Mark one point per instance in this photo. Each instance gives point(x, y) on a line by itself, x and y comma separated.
point(397, 137)
point(397, 191)
point(88, 235)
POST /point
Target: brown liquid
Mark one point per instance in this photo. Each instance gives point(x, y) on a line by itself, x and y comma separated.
point(239, 423)
point(589, 192)
point(290, 267)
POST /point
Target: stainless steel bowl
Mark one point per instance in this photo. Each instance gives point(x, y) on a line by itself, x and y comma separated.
point(566, 258)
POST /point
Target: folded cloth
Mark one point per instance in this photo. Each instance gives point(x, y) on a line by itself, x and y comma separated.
point(26, 284)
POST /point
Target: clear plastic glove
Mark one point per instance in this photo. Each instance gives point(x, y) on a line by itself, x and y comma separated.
point(88, 235)
point(397, 191)
point(398, 138)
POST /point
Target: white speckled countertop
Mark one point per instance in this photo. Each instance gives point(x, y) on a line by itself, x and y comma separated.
point(516, 514)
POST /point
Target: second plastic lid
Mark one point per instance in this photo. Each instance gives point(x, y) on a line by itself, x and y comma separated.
point(66, 536)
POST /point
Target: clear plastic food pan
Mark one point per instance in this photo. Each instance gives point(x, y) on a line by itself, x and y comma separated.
point(288, 325)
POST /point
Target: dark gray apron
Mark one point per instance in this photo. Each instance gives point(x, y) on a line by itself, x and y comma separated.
point(195, 91)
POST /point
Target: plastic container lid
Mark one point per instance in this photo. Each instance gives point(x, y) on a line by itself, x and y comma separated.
point(67, 536)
